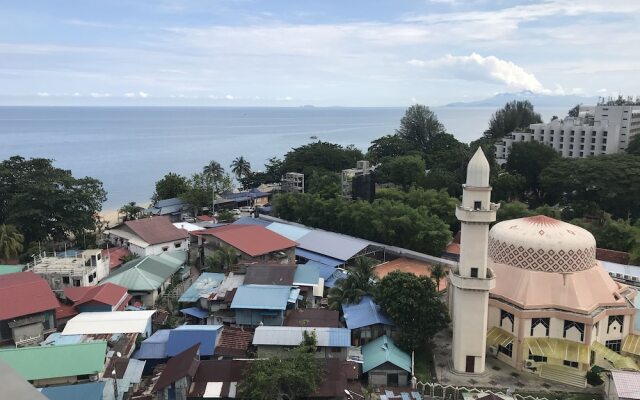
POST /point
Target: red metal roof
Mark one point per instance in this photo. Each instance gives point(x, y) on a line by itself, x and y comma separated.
point(76, 293)
point(65, 311)
point(156, 230)
point(253, 240)
point(115, 254)
point(108, 293)
point(24, 293)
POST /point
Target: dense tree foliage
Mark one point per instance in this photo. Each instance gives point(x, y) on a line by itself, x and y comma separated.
point(634, 145)
point(388, 146)
point(326, 186)
point(419, 126)
point(292, 377)
point(45, 202)
point(221, 259)
point(507, 186)
point(385, 221)
point(359, 282)
point(130, 211)
point(201, 189)
point(515, 115)
point(434, 202)
point(404, 171)
point(322, 157)
point(612, 234)
point(11, 242)
point(170, 186)
point(418, 313)
point(529, 159)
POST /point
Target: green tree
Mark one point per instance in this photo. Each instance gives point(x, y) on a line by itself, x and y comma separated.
point(129, 257)
point(634, 145)
point(131, 211)
point(203, 187)
point(388, 146)
point(437, 274)
point(404, 171)
point(11, 242)
point(612, 234)
point(529, 159)
point(221, 260)
point(418, 313)
point(575, 111)
point(508, 186)
point(44, 202)
point(326, 186)
point(513, 210)
point(170, 186)
point(322, 157)
point(240, 167)
point(359, 282)
point(515, 115)
point(419, 126)
point(292, 377)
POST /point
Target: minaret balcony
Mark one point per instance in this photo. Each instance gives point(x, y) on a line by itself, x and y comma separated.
point(480, 215)
point(466, 282)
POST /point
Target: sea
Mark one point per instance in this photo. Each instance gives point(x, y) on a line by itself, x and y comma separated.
point(130, 148)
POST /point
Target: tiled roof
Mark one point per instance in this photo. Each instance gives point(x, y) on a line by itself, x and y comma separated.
point(250, 239)
point(270, 274)
point(65, 311)
point(233, 342)
point(183, 364)
point(156, 230)
point(313, 317)
point(382, 350)
point(415, 267)
point(627, 384)
point(24, 293)
point(365, 313)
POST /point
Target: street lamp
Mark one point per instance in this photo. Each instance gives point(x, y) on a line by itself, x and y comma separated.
point(117, 355)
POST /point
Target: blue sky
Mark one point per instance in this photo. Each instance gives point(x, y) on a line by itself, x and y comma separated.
point(289, 53)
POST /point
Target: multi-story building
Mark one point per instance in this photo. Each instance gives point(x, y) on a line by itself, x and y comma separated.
point(603, 129)
point(71, 269)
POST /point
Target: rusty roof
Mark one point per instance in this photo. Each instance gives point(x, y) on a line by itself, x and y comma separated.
point(270, 274)
point(156, 230)
point(183, 364)
point(313, 317)
point(250, 239)
point(233, 342)
point(418, 268)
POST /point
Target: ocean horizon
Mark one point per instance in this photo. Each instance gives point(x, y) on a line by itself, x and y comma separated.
point(129, 148)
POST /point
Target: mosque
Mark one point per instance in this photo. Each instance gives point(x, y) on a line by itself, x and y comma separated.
point(531, 293)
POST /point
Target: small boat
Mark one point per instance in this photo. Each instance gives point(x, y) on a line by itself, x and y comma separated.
point(314, 137)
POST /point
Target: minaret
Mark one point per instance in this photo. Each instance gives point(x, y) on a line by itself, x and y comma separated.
point(472, 280)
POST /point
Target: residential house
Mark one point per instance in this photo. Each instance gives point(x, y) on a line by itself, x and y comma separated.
point(55, 365)
point(219, 302)
point(269, 274)
point(262, 304)
point(114, 322)
point(385, 364)
point(277, 341)
point(366, 321)
point(27, 309)
point(15, 387)
point(106, 297)
point(154, 349)
point(72, 269)
point(115, 256)
point(253, 197)
point(128, 376)
point(313, 317)
point(185, 336)
point(311, 284)
point(622, 385)
point(252, 243)
point(174, 382)
point(81, 391)
point(149, 236)
point(233, 342)
point(204, 286)
point(146, 278)
point(170, 208)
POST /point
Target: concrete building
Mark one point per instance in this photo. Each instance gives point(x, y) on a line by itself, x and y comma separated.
point(77, 269)
point(149, 236)
point(603, 129)
point(292, 182)
point(357, 183)
point(471, 280)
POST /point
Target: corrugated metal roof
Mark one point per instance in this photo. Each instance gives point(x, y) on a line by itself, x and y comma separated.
point(206, 283)
point(293, 335)
point(382, 350)
point(185, 336)
point(10, 269)
point(291, 232)
point(310, 255)
point(195, 312)
point(253, 240)
point(261, 297)
point(252, 221)
point(134, 371)
point(15, 387)
point(155, 346)
point(45, 362)
point(82, 391)
point(147, 273)
point(306, 275)
point(332, 244)
point(56, 339)
point(335, 277)
point(324, 270)
point(24, 293)
point(88, 323)
point(364, 313)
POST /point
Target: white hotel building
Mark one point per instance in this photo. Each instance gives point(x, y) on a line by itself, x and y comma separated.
point(603, 129)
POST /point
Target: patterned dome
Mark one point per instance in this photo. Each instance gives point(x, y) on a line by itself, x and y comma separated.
point(541, 243)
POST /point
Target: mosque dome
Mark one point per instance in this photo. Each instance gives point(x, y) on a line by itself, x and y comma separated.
point(542, 244)
point(478, 170)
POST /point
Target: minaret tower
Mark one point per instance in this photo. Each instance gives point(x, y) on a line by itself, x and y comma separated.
point(472, 280)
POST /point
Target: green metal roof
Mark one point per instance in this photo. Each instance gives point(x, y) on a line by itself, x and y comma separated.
point(382, 350)
point(44, 362)
point(147, 273)
point(10, 269)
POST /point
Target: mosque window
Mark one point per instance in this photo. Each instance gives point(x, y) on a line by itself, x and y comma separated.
point(474, 272)
point(615, 318)
point(537, 358)
point(614, 345)
point(477, 205)
point(540, 321)
point(568, 363)
point(571, 324)
point(505, 314)
point(507, 350)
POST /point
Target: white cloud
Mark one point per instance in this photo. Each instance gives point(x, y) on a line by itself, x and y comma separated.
point(143, 94)
point(96, 95)
point(43, 94)
point(229, 97)
point(77, 94)
point(285, 98)
point(475, 67)
point(130, 95)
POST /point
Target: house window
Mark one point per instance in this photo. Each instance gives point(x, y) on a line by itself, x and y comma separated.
point(570, 153)
point(540, 321)
point(177, 245)
point(477, 205)
point(474, 272)
point(507, 350)
point(605, 133)
point(572, 364)
point(571, 140)
point(90, 278)
point(593, 147)
point(94, 275)
point(165, 248)
point(593, 140)
point(572, 324)
point(604, 148)
point(581, 140)
point(581, 153)
point(505, 314)
point(583, 133)
point(66, 280)
point(76, 282)
point(614, 345)
point(615, 318)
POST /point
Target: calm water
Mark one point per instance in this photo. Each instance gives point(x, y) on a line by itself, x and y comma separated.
point(130, 148)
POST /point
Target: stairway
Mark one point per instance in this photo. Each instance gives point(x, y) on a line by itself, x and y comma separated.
point(562, 374)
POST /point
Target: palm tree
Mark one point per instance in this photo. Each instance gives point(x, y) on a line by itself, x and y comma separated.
point(214, 171)
point(240, 167)
point(221, 259)
point(129, 257)
point(11, 242)
point(359, 282)
point(437, 273)
point(131, 211)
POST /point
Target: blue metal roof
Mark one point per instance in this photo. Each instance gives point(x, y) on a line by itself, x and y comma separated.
point(291, 232)
point(186, 336)
point(335, 277)
point(261, 297)
point(207, 282)
point(364, 313)
point(251, 221)
point(324, 270)
point(195, 312)
point(306, 274)
point(310, 255)
point(82, 391)
point(56, 339)
point(154, 347)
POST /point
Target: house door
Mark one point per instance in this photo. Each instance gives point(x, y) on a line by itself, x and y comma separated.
point(392, 380)
point(471, 361)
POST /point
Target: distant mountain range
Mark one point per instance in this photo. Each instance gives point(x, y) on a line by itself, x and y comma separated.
point(537, 99)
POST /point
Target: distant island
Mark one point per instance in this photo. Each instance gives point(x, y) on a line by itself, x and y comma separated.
point(537, 99)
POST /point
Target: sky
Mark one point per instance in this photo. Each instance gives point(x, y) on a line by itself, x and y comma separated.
point(306, 52)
